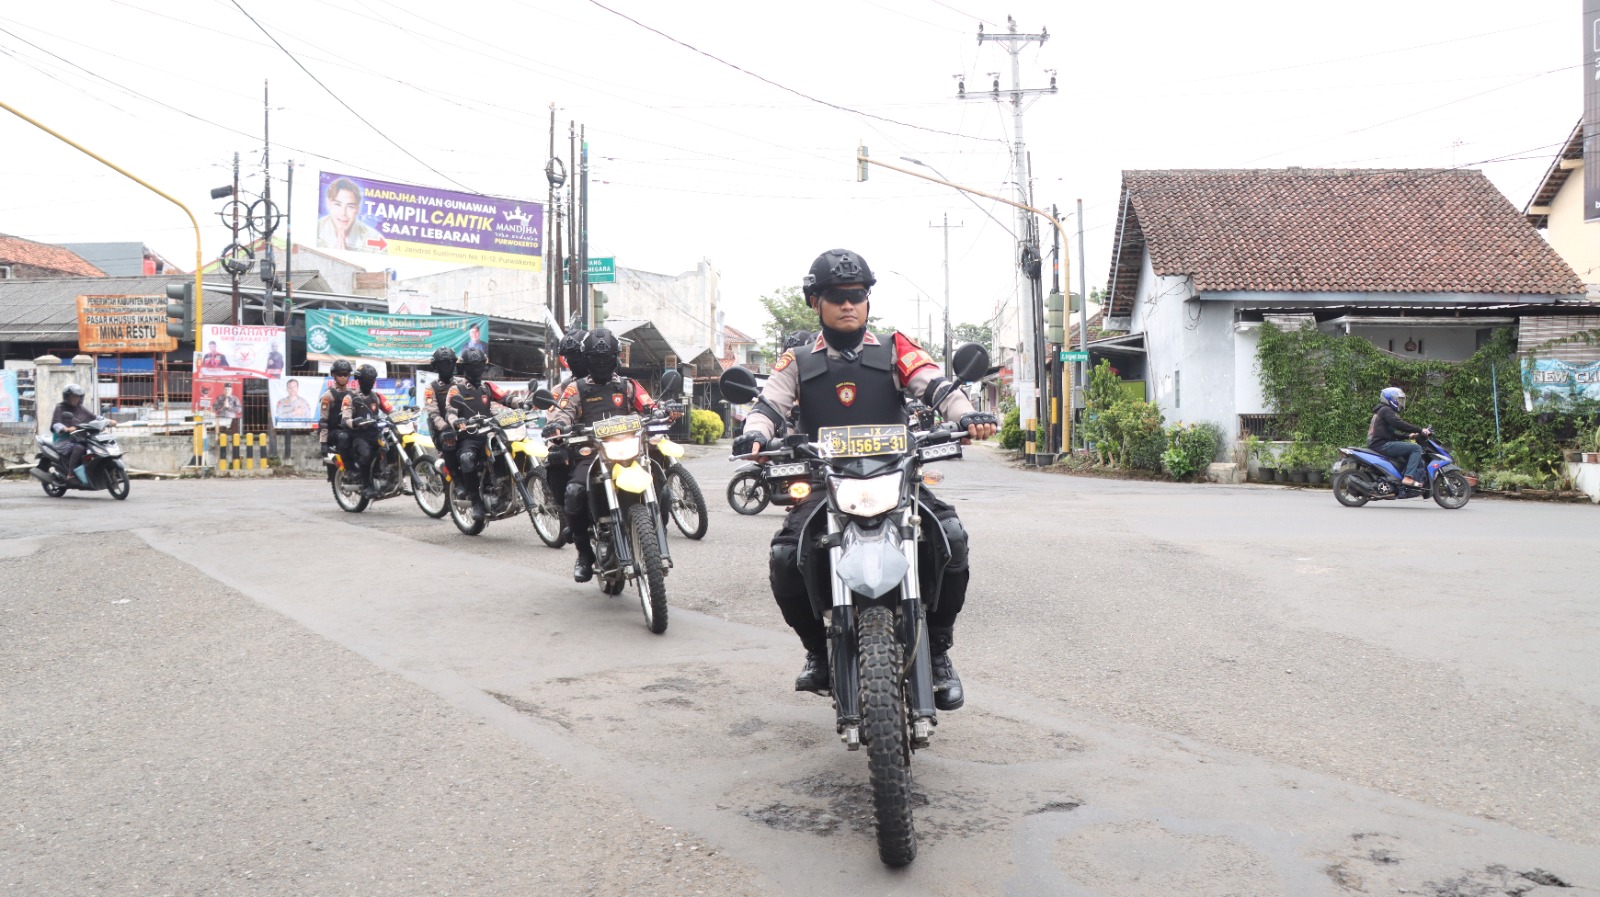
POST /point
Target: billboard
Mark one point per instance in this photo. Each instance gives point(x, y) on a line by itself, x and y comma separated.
point(1549, 384)
point(10, 401)
point(241, 351)
point(409, 339)
point(223, 397)
point(1591, 110)
point(116, 324)
point(360, 214)
point(296, 402)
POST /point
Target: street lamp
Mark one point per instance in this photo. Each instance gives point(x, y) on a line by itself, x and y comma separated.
point(967, 195)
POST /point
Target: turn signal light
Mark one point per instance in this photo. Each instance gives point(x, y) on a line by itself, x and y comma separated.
point(932, 478)
point(798, 491)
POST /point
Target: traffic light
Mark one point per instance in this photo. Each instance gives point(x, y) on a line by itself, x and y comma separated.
point(180, 310)
point(861, 163)
point(599, 308)
point(1055, 319)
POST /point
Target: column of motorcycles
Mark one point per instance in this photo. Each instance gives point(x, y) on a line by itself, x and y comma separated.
point(635, 485)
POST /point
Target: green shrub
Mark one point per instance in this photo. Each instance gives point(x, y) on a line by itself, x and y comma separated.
point(1011, 428)
point(705, 427)
point(1133, 430)
point(1191, 448)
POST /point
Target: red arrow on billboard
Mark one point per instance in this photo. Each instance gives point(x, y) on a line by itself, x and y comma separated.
point(380, 244)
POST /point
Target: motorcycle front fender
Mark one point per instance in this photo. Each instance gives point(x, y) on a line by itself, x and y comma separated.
point(873, 563)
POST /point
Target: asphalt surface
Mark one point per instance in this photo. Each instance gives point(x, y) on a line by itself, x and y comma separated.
point(232, 687)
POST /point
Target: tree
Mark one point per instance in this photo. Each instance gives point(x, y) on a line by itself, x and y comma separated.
point(787, 308)
point(982, 334)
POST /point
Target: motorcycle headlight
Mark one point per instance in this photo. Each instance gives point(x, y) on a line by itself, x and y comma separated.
point(405, 429)
point(866, 498)
point(622, 448)
point(516, 434)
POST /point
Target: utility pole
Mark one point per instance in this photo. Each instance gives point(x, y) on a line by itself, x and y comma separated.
point(1083, 316)
point(583, 228)
point(946, 228)
point(236, 205)
point(269, 270)
point(575, 307)
point(1029, 376)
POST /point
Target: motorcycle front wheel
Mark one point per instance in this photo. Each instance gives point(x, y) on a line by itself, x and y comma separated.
point(747, 493)
point(348, 499)
point(117, 483)
point(1344, 492)
point(652, 576)
point(685, 503)
point(884, 730)
point(1451, 490)
point(428, 487)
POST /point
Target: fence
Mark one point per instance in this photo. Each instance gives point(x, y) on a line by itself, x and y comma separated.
point(1270, 427)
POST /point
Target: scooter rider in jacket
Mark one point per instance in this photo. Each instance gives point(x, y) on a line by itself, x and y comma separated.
point(846, 376)
point(1387, 434)
point(600, 395)
point(330, 430)
point(471, 396)
point(68, 417)
point(437, 403)
point(359, 414)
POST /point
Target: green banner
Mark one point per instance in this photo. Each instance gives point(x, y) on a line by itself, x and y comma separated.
point(332, 335)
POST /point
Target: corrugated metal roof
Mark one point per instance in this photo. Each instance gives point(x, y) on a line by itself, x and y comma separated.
point(47, 309)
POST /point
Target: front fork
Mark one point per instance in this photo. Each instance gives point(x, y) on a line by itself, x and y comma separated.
point(620, 542)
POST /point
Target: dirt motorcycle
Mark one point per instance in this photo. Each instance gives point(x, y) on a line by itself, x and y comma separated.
point(511, 459)
point(1362, 475)
point(402, 467)
point(102, 462)
point(873, 558)
point(681, 497)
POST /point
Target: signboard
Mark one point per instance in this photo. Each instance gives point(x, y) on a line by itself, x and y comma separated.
point(1549, 384)
point(1074, 355)
point(115, 324)
point(296, 402)
point(232, 351)
point(10, 400)
point(360, 214)
point(601, 270)
point(1591, 110)
point(410, 339)
point(410, 302)
point(224, 398)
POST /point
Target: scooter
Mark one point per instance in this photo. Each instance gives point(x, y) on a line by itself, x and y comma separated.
point(102, 462)
point(1362, 475)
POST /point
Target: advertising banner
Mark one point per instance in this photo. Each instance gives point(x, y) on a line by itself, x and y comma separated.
point(115, 324)
point(231, 352)
point(409, 339)
point(1549, 384)
point(1591, 110)
point(10, 401)
point(222, 397)
point(296, 402)
point(365, 215)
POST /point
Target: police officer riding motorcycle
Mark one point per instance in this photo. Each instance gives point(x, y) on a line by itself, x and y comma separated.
point(471, 396)
point(330, 423)
point(558, 468)
point(359, 415)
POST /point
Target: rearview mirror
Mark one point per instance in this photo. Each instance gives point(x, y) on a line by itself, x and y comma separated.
point(969, 363)
point(739, 385)
point(542, 399)
point(671, 383)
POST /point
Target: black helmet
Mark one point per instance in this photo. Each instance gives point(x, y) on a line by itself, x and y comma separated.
point(444, 361)
point(341, 367)
point(796, 339)
point(601, 342)
point(366, 375)
point(72, 389)
point(572, 343)
point(474, 362)
point(836, 267)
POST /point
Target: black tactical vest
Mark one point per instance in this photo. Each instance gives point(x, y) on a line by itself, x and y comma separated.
point(472, 401)
point(839, 393)
point(598, 401)
point(363, 407)
point(335, 406)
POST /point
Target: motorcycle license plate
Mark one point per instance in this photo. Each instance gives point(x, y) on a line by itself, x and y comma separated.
point(864, 440)
point(616, 426)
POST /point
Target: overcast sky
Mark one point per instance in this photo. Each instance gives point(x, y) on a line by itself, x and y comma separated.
point(694, 158)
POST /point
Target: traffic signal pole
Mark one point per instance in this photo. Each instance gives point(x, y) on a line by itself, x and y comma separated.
point(199, 258)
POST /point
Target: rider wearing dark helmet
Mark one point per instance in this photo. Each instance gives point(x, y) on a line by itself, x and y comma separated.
point(330, 427)
point(571, 353)
point(1388, 435)
point(437, 404)
point(558, 467)
point(472, 396)
point(68, 417)
point(600, 395)
point(849, 375)
point(359, 414)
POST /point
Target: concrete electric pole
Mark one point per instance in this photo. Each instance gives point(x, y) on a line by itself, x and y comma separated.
point(946, 228)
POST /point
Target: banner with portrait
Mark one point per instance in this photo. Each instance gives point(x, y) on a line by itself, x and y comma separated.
point(360, 214)
point(409, 339)
point(296, 402)
point(241, 351)
point(220, 397)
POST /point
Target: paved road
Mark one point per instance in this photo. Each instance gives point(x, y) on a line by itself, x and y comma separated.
point(232, 687)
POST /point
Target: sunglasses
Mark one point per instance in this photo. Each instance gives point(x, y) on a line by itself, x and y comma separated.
point(841, 297)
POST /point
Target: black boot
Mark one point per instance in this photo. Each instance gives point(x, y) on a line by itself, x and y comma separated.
point(583, 570)
point(947, 693)
point(814, 676)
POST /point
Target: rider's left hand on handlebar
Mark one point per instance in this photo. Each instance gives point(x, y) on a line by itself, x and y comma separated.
point(978, 425)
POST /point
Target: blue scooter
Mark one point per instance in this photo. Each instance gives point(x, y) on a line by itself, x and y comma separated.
point(1362, 475)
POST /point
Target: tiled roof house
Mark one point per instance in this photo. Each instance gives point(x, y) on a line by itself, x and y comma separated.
point(1425, 263)
point(26, 260)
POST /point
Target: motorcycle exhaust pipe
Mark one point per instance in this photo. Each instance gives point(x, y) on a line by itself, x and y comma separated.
point(42, 476)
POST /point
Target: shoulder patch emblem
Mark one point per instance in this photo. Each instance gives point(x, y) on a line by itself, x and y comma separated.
point(784, 360)
point(616, 399)
point(847, 394)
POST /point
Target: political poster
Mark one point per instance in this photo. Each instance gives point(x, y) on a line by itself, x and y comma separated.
point(410, 339)
point(1549, 384)
point(10, 399)
point(360, 214)
point(230, 351)
point(296, 402)
point(222, 398)
point(115, 324)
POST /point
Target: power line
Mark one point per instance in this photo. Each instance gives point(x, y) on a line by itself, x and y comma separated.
point(347, 106)
point(766, 80)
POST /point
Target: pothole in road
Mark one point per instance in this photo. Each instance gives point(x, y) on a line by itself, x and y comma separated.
point(532, 709)
point(848, 804)
point(1494, 881)
point(1057, 806)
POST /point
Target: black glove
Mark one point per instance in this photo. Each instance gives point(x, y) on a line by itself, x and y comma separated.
point(976, 418)
point(746, 443)
point(552, 430)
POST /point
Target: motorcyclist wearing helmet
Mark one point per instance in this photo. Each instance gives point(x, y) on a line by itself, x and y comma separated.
point(359, 414)
point(849, 376)
point(600, 395)
point(558, 467)
point(68, 417)
point(1387, 434)
point(437, 403)
point(330, 422)
point(472, 396)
